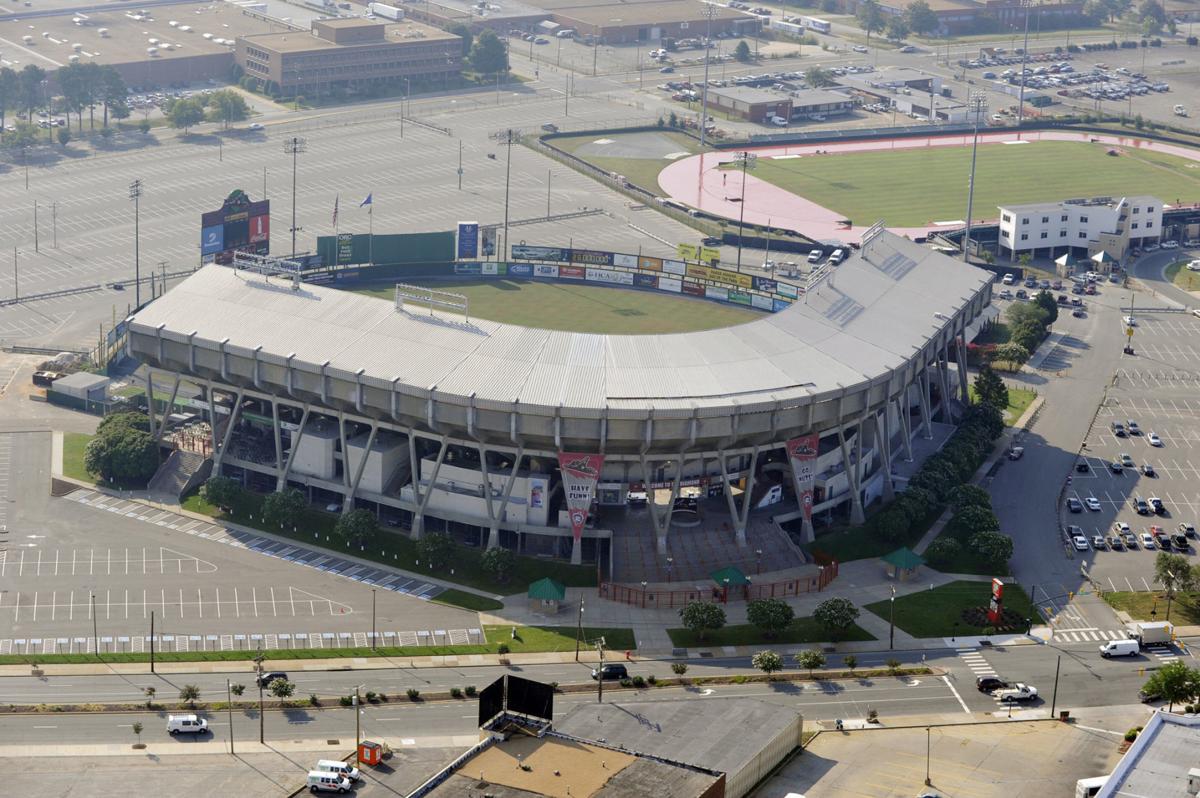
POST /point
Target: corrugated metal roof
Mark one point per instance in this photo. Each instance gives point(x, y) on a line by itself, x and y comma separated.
point(874, 313)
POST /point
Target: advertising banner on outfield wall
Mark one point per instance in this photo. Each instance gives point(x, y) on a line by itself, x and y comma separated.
point(786, 289)
point(645, 280)
point(779, 304)
point(487, 242)
point(761, 302)
point(468, 241)
point(651, 264)
point(674, 267)
point(627, 261)
point(695, 289)
point(526, 252)
point(716, 292)
point(580, 473)
point(468, 268)
point(740, 297)
point(802, 454)
point(345, 247)
point(490, 269)
point(609, 276)
point(545, 270)
point(592, 257)
point(765, 284)
point(720, 276)
point(671, 284)
point(572, 272)
point(520, 269)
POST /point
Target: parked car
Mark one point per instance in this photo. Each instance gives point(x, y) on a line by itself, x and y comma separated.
point(1126, 460)
point(1131, 541)
point(1115, 543)
point(610, 671)
point(1080, 543)
point(1134, 429)
point(1187, 529)
point(1116, 467)
point(1082, 467)
point(1092, 503)
point(986, 684)
point(1147, 541)
point(1140, 505)
point(1098, 543)
point(1074, 505)
point(1156, 504)
point(1154, 440)
point(1179, 543)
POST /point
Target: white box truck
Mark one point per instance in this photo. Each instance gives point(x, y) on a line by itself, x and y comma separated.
point(386, 11)
point(1151, 633)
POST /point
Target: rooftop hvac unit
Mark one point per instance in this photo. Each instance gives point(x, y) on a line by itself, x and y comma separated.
point(173, 23)
point(208, 35)
point(152, 52)
point(73, 58)
point(29, 39)
point(103, 33)
point(186, 28)
point(77, 47)
point(153, 41)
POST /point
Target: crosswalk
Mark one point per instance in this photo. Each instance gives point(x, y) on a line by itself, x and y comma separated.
point(1163, 653)
point(320, 559)
point(975, 661)
point(1088, 635)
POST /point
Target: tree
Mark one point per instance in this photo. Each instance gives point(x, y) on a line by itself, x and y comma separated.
point(897, 28)
point(990, 389)
point(942, 552)
point(771, 615)
point(149, 693)
point(30, 79)
point(185, 113)
point(1045, 300)
point(357, 527)
point(130, 419)
point(836, 616)
point(281, 688)
point(122, 454)
point(10, 90)
point(816, 77)
point(137, 730)
point(810, 659)
point(435, 549)
point(499, 562)
point(64, 136)
point(1096, 10)
point(488, 54)
point(1152, 16)
point(850, 661)
point(1174, 572)
point(1012, 352)
point(237, 689)
point(921, 18)
point(463, 32)
point(869, 17)
point(742, 52)
point(227, 106)
point(970, 521)
point(993, 547)
point(891, 524)
point(1175, 682)
point(144, 126)
point(968, 495)
point(284, 509)
point(221, 492)
point(768, 662)
point(701, 617)
point(189, 693)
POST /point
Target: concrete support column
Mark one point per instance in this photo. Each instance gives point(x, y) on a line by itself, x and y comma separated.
point(494, 519)
point(150, 400)
point(883, 446)
point(348, 505)
point(234, 414)
point(740, 517)
point(287, 466)
point(944, 375)
point(856, 509)
point(162, 426)
point(905, 417)
point(277, 435)
point(960, 349)
point(925, 402)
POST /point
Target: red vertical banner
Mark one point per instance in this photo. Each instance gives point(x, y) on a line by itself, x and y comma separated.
point(802, 454)
point(994, 609)
point(580, 472)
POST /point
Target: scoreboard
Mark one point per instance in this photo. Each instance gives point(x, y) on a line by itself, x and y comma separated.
point(239, 226)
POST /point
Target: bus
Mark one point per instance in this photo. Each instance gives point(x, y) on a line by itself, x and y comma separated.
point(817, 24)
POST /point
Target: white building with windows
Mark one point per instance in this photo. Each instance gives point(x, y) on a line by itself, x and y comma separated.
point(1049, 229)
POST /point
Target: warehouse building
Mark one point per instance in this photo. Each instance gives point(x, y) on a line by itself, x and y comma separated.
point(350, 53)
point(760, 105)
point(617, 22)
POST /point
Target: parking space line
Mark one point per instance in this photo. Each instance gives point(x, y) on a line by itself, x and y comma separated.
point(218, 602)
point(254, 598)
point(274, 612)
point(237, 608)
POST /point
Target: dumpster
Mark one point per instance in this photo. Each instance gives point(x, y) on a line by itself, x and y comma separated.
point(370, 753)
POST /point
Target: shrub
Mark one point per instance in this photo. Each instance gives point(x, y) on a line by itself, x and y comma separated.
point(626, 682)
point(314, 700)
point(851, 662)
point(456, 692)
point(554, 686)
point(893, 665)
point(470, 691)
point(1132, 734)
point(741, 678)
point(639, 682)
point(502, 648)
point(237, 689)
point(652, 679)
point(412, 693)
point(346, 700)
point(678, 668)
point(370, 695)
point(942, 552)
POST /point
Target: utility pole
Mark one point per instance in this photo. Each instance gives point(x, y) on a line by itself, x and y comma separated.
point(549, 173)
point(748, 160)
point(578, 628)
point(1024, 77)
point(928, 782)
point(264, 182)
point(229, 705)
point(16, 285)
point(357, 722)
point(567, 95)
point(135, 193)
point(35, 228)
point(95, 629)
point(1054, 699)
point(507, 135)
point(294, 146)
point(152, 632)
point(54, 221)
point(892, 620)
point(600, 672)
point(372, 619)
point(978, 104)
point(710, 10)
point(460, 171)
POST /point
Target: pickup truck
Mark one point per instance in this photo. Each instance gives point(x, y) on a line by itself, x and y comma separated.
point(1018, 692)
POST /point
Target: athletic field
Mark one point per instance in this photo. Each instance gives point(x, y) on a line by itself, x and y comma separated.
point(913, 187)
point(584, 308)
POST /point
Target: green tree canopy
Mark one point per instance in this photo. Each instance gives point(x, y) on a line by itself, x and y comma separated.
point(810, 659)
point(993, 547)
point(10, 92)
point(767, 661)
point(990, 389)
point(185, 113)
point(869, 17)
point(222, 492)
point(1175, 682)
point(284, 509)
point(357, 527)
point(463, 32)
point(921, 18)
point(816, 77)
point(281, 688)
point(836, 616)
point(488, 54)
point(1046, 301)
point(968, 495)
point(702, 617)
point(122, 454)
point(435, 550)
point(897, 28)
point(1174, 572)
point(499, 562)
point(970, 521)
point(771, 615)
point(742, 52)
point(227, 106)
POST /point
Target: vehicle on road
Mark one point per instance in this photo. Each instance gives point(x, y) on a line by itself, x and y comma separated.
point(1130, 321)
point(815, 255)
point(1016, 453)
point(186, 724)
point(1080, 543)
point(1170, 245)
point(324, 781)
point(1008, 279)
point(1005, 294)
point(986, 684)
point(1079, 313)
point(1018, 692)
point(265, 678)
point(1074, 505)
point(1161, 538)
point(255, 126)
point(1120, 648)
point(1150, 633)
point(858, 48)
point(1092, 503)
point(610, 671)
point(1154, 440)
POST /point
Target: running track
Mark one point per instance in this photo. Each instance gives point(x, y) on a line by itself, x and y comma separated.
point(696, 181)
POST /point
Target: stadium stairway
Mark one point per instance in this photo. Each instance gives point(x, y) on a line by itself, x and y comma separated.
point(178, 474)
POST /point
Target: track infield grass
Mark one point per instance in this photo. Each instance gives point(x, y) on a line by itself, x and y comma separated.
point(914, 187)
point(583, 308)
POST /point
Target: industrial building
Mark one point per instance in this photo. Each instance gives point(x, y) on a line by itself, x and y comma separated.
point(753, 105)
point(1048, 229)
point(350, 53)
point(463, 423)
point(956, 17)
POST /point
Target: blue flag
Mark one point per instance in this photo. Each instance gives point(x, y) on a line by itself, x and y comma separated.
point(367, 201)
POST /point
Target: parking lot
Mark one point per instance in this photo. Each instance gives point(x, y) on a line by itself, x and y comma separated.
point(1156, 458)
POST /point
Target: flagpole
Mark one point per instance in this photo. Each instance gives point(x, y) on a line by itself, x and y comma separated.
point(371, 239)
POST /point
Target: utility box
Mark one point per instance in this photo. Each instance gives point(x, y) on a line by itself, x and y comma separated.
point(316, 450)
point(370, 753)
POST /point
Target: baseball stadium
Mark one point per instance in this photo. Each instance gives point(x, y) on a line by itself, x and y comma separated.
point(655, 456)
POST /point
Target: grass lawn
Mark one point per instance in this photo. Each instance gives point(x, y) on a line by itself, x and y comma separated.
point(1182, 277)
point(467, 601)
point(641, 171)
point(968, 563)
point(938, 612)
point(1185, 609)
point(802, 630)
point(1019, 400)
point(584, 308)
point(529, 640)
point(397, 550)
point(73, 445)
point(860, 185)
point(858, 543)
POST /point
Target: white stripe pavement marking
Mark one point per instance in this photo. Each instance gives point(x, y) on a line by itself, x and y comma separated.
point(961, 703)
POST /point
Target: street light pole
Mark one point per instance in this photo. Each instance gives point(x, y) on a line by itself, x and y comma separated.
point(892, 620)
point(710, 10)
point(748, 160)
point(294, 146)
point(229, 704)
point(578, 628)
point(1024, 61)
point(1054, 699)
point(135, 193)
point(977, 103)
point(372, 619)
point(95, 628)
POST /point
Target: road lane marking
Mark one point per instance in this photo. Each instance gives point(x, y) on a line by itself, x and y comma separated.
point(961, 703)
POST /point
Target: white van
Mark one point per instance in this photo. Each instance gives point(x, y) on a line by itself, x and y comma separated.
point(338, 766)
point(1119, 648)
point(186, 724)
point(815, 255)
point(837, 257)
point(569, 33)
point(324, 781)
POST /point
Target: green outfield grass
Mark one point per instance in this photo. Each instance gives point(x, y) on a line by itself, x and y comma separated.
point(584, 308)
point(918, 186)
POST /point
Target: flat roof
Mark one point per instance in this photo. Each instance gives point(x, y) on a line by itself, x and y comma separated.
point(748, 94)
point(407, 32)
point(869, 318)
point(817, 97)
point(945, 6)
point(561, 768)
point(723, 734)
point(1091, 202)
point(618, 14)
point(127, 39)
point(1158, 762)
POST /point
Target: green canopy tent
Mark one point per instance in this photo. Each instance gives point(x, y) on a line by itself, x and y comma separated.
point(902, 564)
point(546, 596)
point(728, 577)
point(1104, 261)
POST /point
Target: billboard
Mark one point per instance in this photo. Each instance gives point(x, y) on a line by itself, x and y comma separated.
point(786, 289)
point(739, 297)
point(526, 252)
point(468, 268)
point(572, 272)
point(627, 261)
point(720, 276)
point(694, 289)
point(779, 304)
point(765, 284)
point(529, 698)
point(592, 257)
point(491, 701)
point(345, 247)
point(487, 242)
point(580, 471)
point(239, 225)
point(609, 276)
point(520, 270)
point(697, 253)
point(674, 267)
point(761, 302)
point(468, 241)
point(802, 454)
point(545, 270)
point(651, 264)
point(645, 280)
point(671, 284)
point(716, 292)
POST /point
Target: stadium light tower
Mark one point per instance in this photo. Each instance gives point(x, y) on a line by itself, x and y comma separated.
point(507, 136)
point(748, 160)
point(135, 193)
point(293, 147)
point(977, 103)
point(1024, 61)
point(710, 11)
